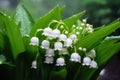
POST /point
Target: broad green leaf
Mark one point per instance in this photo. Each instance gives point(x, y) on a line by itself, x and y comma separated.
point(93, 39)
point(104, 53)
point(62, 9)
point(13, 34)
point(23, 18)
point(105, 50)
point(71, 20)
point(43, 22)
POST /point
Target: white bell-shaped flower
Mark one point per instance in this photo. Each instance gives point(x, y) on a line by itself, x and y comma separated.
point(75, 57)
point(56, 33)
point(58, 46)
point(34, 41)
point(86, 61)
point(49, 60)
point(45, 44)
point(92, 53)
point(34, 65)
point(93, 64)
point(73, 37)
point(63, 51)
point(47, 31)
point(68, 42)
point(49, 52)
point(62, 37)
point(60, 62)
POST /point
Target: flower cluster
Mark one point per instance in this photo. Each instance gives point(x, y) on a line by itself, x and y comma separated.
point(87, 60)
point(58, 42)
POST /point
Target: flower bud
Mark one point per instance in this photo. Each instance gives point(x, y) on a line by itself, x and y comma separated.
point(84, 49)
point(84, 20)
point(61, 26)
point(92, 53)
point(80, 48)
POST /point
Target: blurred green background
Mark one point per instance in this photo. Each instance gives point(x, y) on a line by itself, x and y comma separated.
point(99, 12)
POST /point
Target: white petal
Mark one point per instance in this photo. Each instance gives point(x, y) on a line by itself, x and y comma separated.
point(68, 42)
point(34, 41)
point(49, 60)
point(63, 37)
point(49, 52)
point(47, 31)
point(103, 71)
point(60, 62)
point(34, 65)
point(58, 46)
point(86, 61)
point(75, 57)
point(45, 44)
point(93, 64)
point(73, 37)
point(56, 33)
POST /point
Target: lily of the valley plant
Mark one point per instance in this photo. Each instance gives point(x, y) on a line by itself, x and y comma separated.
point(52, 48)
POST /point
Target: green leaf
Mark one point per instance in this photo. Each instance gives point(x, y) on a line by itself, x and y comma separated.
point(59, 75)
point(1, 41)
point(23, 18)
point(62, 9)
point(13, 34)
point(105, 49)
point(71, 20)
point(43, 22)
point(93, 39)
point(104, 53)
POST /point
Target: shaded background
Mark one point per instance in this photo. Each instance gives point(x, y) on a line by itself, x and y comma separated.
point(99, 12)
